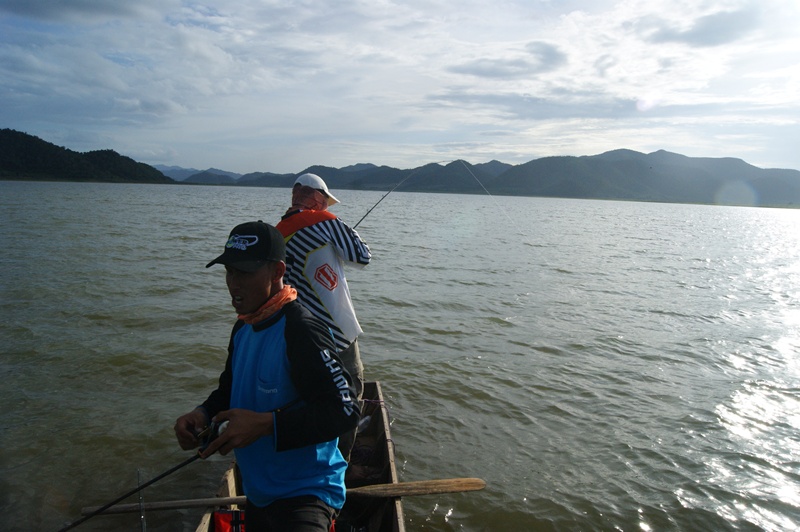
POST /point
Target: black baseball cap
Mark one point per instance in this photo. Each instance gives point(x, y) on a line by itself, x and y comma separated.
point(251, 245)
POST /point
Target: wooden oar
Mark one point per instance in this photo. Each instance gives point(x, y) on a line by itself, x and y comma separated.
point(419, 487)
point(401, 489)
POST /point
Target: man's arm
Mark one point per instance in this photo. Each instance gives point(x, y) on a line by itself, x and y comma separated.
point(328, 407)
point(349, 244)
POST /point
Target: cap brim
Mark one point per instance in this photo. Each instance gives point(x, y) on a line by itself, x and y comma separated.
point(331, 200)
point(246, 265)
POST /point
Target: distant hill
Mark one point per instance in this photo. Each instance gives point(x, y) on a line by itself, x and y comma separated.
point(622, 174)
point(24, 156)
point(210, 178)
point(493, 168)
point(659, 176)
point(357, 167)
point(203, 177)
point(176, 172)
point(267, 179)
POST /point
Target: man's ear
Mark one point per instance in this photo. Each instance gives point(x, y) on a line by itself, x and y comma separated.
point(279, 271)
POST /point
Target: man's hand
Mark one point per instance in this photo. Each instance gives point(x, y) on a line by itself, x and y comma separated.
point(188, 426)
point(244, 427)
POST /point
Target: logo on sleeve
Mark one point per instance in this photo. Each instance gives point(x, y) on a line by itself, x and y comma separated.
point(326, 277)
point(339, 380)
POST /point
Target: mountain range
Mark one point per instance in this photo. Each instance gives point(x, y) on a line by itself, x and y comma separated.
point(660, 176)
point(622, 174)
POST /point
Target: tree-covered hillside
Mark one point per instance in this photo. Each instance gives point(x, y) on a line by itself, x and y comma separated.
point(24, 156)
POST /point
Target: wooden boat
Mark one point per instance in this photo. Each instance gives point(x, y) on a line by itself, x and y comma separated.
point(373, 491)
point(372, 462)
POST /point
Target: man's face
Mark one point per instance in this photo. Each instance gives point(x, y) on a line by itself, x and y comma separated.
point(304, 197)
point(249, 291)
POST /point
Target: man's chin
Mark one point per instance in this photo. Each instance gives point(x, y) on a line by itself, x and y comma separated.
point(238, 307)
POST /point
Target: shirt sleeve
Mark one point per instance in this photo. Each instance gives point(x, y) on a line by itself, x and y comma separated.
point(328, 407)
point(349, 245)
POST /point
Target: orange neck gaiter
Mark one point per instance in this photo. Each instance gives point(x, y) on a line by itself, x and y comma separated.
point(273, 305)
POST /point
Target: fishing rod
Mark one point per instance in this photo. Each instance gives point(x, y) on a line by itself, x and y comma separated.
point(209, 435)
point(392, 190)
point(128, 494)
point(464, 164)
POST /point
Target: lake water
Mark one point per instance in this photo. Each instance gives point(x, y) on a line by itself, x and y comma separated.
point(602, 365)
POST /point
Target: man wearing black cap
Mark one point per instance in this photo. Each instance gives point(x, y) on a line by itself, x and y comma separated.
point(284, 393)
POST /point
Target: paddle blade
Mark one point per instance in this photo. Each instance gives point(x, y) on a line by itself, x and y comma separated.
point(420, 487)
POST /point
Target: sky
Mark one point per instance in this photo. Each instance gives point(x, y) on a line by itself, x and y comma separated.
point(277, 86)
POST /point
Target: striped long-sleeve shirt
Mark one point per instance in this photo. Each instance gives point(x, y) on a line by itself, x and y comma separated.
point(317, 246)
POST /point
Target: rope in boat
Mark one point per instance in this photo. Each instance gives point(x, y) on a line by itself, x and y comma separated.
point(374, 401)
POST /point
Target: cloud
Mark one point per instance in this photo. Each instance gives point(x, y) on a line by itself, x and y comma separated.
point(538, 57)
point(261, 85)
point(716, 29)
point(523, 107)
point(78, 11)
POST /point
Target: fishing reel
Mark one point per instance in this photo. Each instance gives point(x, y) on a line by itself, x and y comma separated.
point(211, 433)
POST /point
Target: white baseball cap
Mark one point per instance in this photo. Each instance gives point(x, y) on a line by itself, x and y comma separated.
point(315, 181)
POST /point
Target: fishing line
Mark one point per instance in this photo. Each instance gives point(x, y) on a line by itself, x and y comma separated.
point(142, 518)
point(394, 187)
point(440, 162)
point(493, 198)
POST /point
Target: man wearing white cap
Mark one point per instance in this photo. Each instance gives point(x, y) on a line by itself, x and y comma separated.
point(317, 246)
